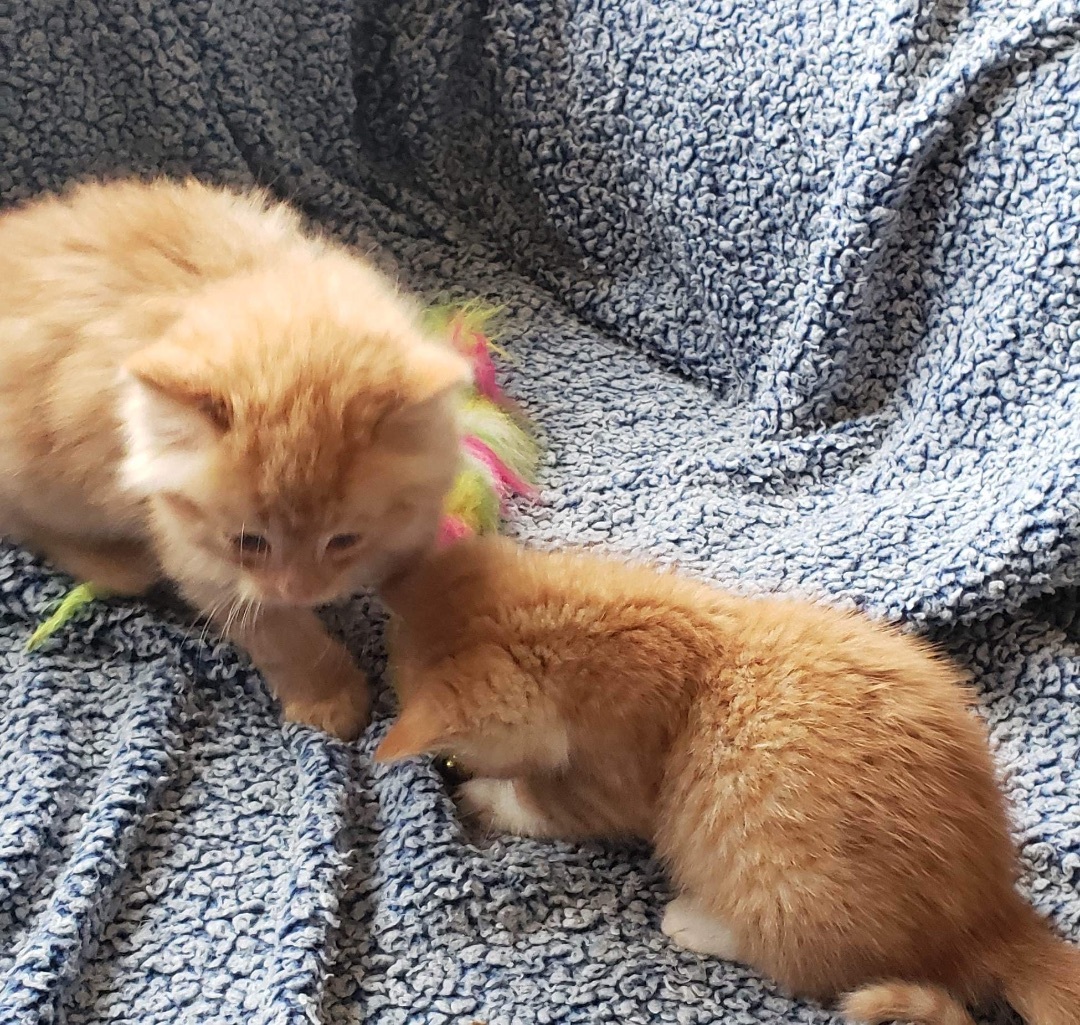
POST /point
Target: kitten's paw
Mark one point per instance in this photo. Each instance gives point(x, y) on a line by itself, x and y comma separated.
point(687, 925)
point(344, 715)
point(495, 805)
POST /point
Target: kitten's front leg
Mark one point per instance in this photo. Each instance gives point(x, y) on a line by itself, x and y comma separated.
point(501, 806)
point(311, 674)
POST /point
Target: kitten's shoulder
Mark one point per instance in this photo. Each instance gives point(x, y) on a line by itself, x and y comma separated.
point(602, 592)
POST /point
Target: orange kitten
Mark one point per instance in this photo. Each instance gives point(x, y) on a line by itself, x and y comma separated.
point(824, 801)
point(193, 387)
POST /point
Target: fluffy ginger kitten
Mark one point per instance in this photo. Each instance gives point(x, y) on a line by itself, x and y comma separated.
point(824, 801)
point(194, 387)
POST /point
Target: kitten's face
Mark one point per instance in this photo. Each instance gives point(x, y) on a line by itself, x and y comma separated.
point(305, 534)
point(295, 446)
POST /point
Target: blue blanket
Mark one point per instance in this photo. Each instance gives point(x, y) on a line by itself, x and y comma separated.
point(792, 286)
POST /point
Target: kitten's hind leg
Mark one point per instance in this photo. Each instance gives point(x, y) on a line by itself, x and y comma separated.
point(114, 567)
point(689, 925)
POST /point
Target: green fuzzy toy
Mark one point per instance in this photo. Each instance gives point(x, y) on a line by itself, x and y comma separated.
point(67, 609)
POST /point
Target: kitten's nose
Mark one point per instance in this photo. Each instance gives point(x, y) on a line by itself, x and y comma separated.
point(294, 589)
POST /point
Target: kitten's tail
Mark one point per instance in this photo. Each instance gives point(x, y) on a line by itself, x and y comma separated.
point(904, 1001)
point(1037, 973)
point(1040, 977)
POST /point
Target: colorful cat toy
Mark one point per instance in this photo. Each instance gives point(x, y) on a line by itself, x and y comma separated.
point(499, 453)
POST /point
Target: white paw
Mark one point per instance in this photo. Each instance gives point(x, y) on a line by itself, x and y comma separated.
point(494, 803)
point(687, 925)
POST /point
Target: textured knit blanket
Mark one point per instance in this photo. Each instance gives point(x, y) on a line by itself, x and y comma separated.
point(792, 286)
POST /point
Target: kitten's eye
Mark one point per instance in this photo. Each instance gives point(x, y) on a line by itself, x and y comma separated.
point(250, 544)
point(342, 542)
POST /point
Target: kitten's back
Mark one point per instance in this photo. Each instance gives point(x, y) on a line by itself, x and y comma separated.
point(86, 279)
point(111, 241)
point(863, 796)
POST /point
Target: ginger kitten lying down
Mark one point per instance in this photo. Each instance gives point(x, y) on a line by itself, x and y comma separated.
point(823, 799)
point(193, 387)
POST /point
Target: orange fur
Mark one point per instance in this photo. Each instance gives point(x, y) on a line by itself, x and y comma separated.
point(905, 1001)
point(824, 800)
point(181, 365)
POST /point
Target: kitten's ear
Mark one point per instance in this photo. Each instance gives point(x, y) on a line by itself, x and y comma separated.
point(170, 417)
point(420, 729)
point(432, 372)
point(435, 369)
point(170, 373)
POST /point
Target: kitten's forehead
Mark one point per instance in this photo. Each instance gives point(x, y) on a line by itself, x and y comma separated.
point(302, 488)
point(308, 470)
point(313, 367)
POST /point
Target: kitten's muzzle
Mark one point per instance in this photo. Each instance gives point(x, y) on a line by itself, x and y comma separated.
point(287, 589)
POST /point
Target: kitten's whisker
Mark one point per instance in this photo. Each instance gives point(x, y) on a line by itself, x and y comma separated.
point(190, 627)
point(252, 609)
point(209, 615)
point(328, 645)
point(234, 609)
